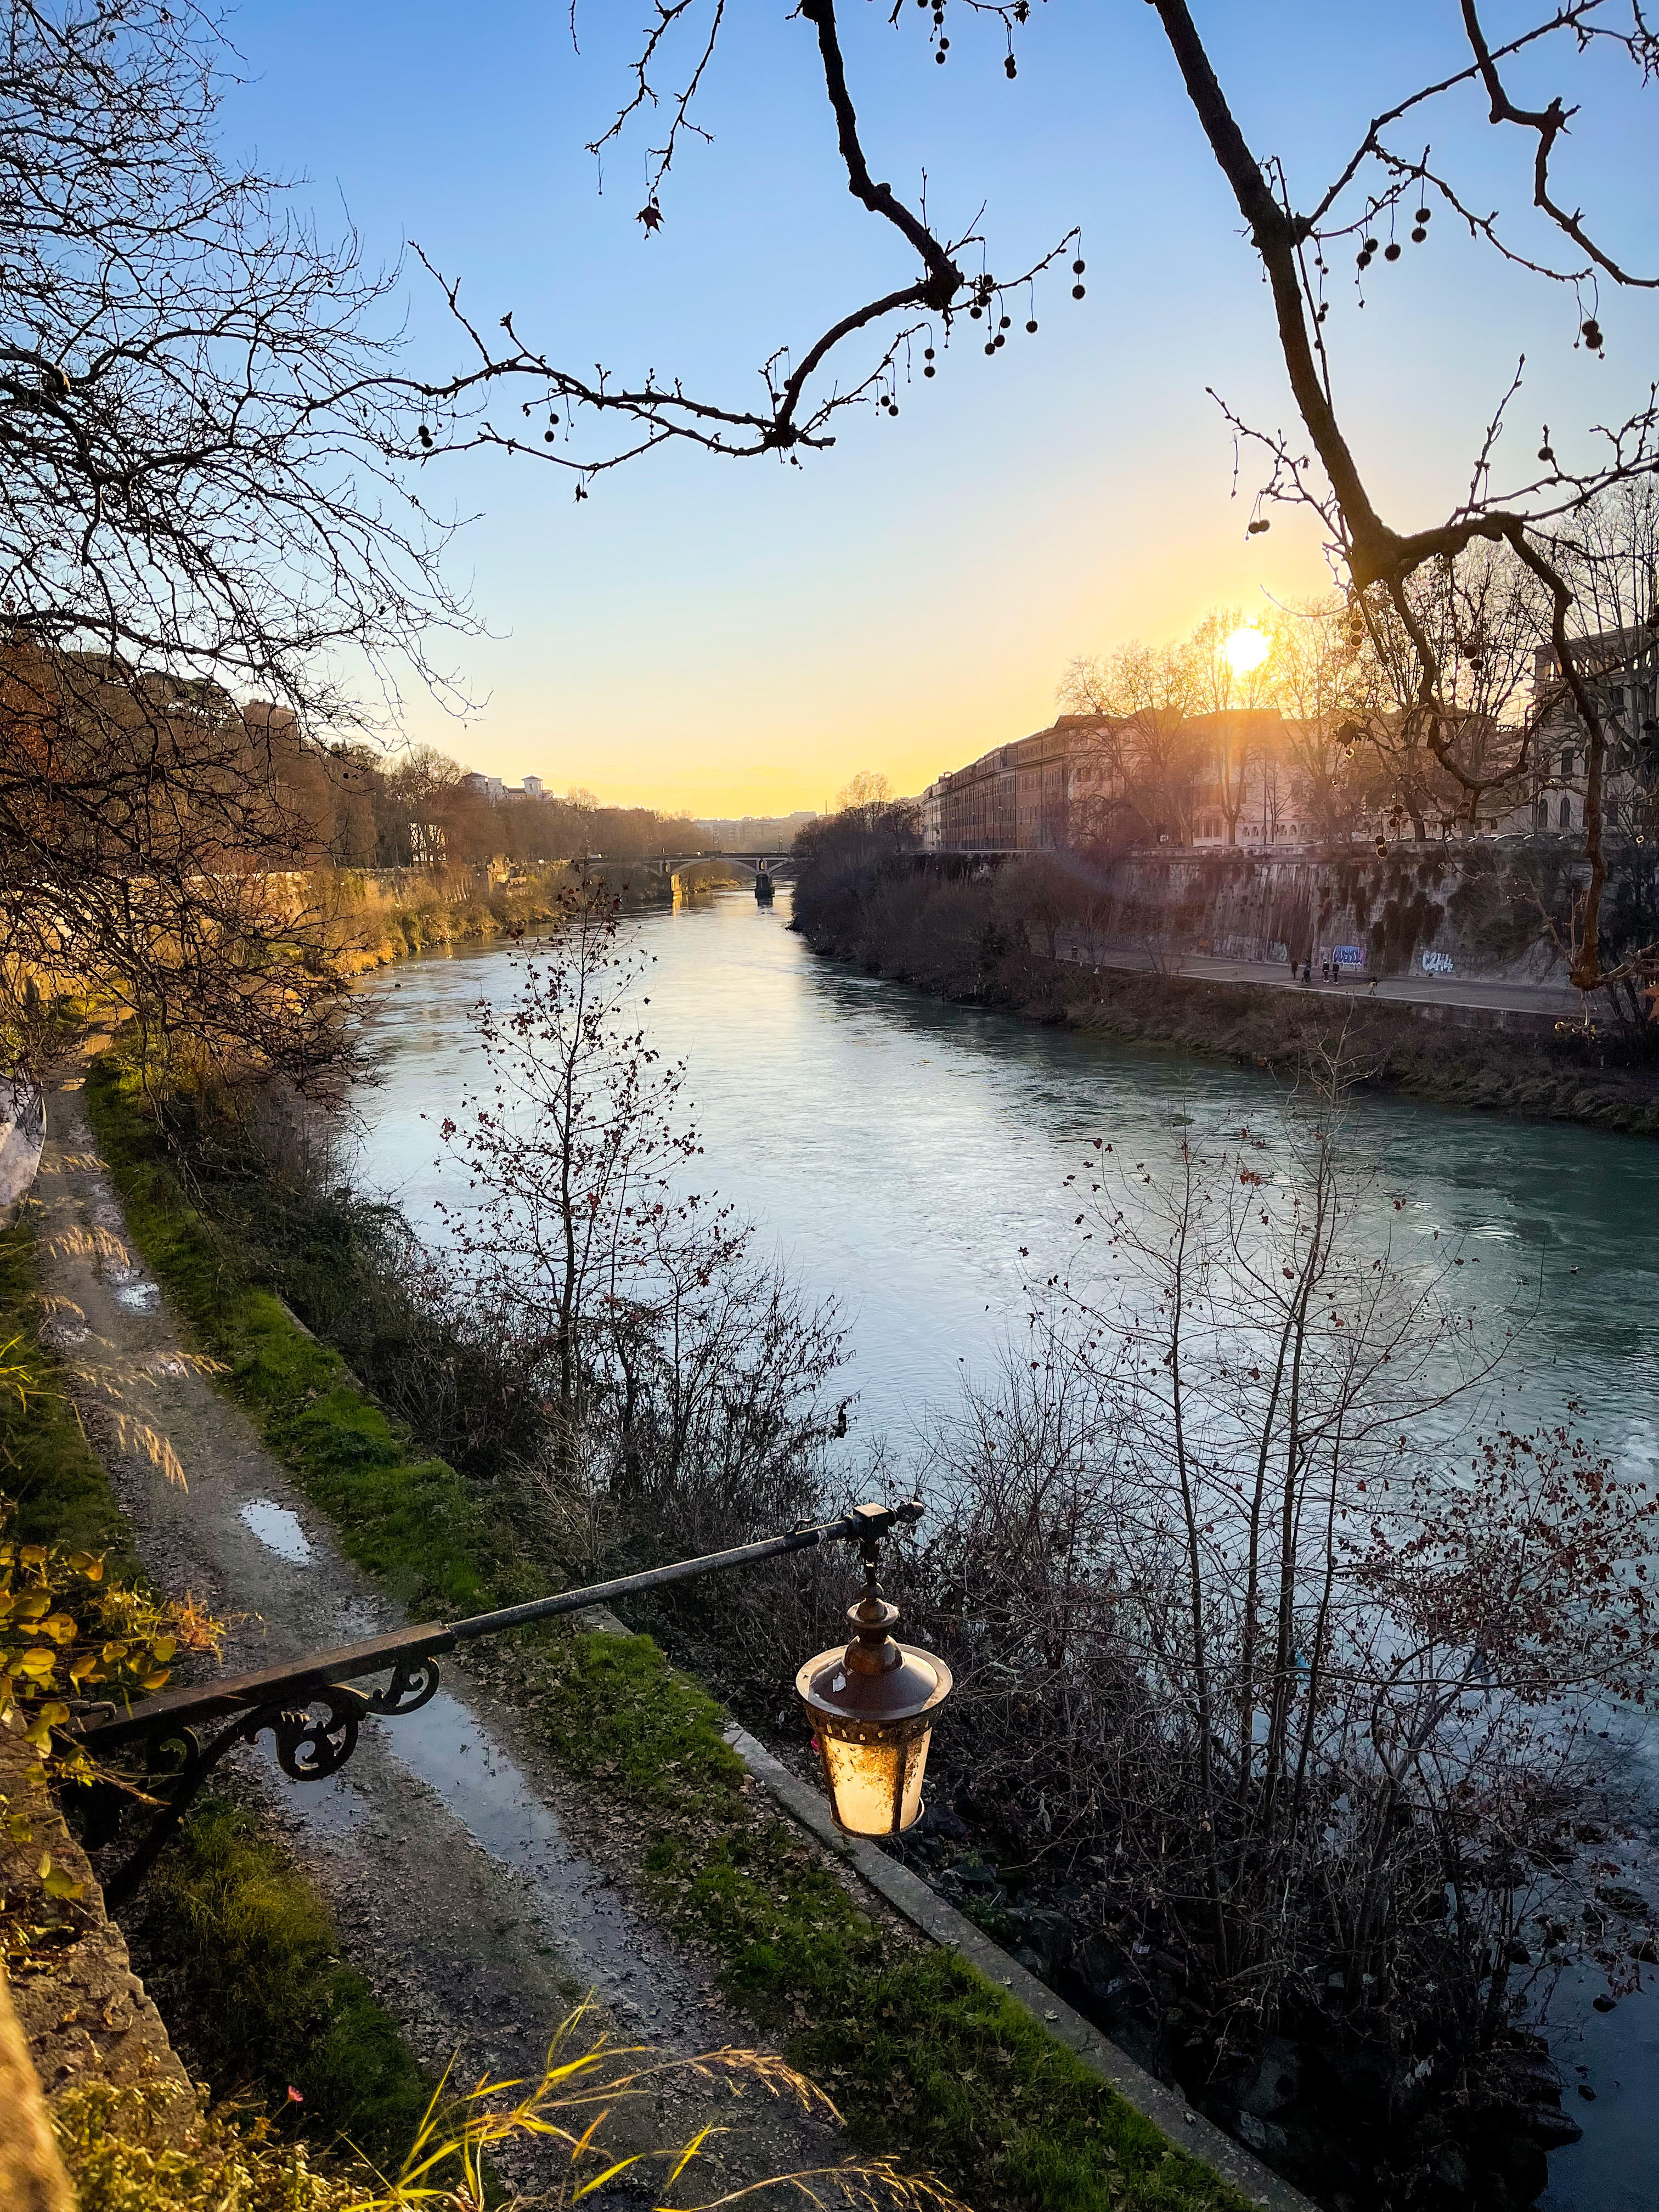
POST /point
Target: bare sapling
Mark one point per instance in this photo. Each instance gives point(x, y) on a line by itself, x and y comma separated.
point(678, 1373)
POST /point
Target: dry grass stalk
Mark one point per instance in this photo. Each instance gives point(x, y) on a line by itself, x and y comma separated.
point(568, 2105)
point(80, 1244)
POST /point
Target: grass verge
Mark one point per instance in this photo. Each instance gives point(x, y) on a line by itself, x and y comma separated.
point(408, 1520)
point(251, 1961)
point(926, 2059)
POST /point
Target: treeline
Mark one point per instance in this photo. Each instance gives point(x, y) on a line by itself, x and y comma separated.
point(359, 806)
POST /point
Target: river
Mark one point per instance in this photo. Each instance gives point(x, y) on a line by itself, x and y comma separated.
point(897, 1154)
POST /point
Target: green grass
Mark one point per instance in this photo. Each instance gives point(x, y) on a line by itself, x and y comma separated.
point(925, 2059)
point(409, 1520)
point(270, 2005)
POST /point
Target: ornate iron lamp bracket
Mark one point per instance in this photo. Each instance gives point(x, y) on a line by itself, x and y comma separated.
point(179, 1750)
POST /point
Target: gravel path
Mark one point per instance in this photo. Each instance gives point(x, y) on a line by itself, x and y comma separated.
point(445, 1847)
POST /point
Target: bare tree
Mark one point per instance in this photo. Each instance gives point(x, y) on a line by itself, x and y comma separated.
point(1254, 1636)
point(1322, 696)
point(677, 1371)
point(1387, 183)
point(202, 500)
point(864, 795)
point(1146, 697)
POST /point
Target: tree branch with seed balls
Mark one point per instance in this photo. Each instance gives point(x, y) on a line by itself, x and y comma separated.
point(1372, 555)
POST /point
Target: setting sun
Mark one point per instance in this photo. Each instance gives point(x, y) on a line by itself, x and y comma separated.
point(1247, 648)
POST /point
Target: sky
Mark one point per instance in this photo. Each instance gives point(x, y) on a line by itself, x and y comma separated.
point(734, 637)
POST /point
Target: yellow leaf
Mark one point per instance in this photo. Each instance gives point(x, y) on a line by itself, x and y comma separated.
point(164, 1649)
point(59, 1884)
point(87, 1563)
point(38, 1662)
point(60, 1628)
point(157, 1680)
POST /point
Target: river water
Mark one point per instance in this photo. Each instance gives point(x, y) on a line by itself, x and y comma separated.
point(897, 1154)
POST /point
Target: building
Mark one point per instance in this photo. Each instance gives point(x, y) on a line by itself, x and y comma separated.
point(490, 786)
point(1622, 670)
point(1020, 797)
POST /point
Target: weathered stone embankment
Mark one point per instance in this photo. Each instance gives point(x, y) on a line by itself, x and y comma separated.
point(377, 916)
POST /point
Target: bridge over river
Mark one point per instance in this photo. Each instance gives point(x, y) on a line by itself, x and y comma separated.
point(782, 867)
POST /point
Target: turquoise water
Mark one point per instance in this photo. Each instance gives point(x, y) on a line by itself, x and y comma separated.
point(897, 1154)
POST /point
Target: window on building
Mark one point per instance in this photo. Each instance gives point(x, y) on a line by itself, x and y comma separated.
point(1566, 814)
point(1566, 760)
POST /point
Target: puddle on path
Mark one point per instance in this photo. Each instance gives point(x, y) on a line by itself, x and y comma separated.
point(586, 1922)
point(277, 1529)
point(139, 1298)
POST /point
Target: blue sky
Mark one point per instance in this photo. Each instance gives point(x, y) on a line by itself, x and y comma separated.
point(735, 637)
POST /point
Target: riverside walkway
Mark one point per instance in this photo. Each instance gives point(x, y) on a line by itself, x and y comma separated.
point(1555, 1001)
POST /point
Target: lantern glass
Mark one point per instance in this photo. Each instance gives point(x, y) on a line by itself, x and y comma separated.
point(869, 1782)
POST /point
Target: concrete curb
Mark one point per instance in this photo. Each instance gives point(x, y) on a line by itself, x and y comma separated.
point(1166, 2109)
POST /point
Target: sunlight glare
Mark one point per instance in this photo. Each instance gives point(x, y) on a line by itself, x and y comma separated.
point(1247, 648)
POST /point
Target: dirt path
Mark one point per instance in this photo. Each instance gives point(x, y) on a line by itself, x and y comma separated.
point(444, 1847)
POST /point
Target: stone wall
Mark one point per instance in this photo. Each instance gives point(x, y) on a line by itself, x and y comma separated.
point(82, 2014)
point(1477, 909)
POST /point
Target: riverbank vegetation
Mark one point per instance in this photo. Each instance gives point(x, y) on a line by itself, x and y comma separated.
point(955, 2073)
point(991, 939)
point(1274, 1670)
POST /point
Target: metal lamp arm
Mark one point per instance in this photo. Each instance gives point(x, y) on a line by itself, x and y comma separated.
point(279, 1698)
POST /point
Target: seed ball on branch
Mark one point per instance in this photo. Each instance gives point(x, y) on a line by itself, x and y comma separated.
point(930, 370)
point(975, 310)
point(1031, 329)
point(1011, 68)
point(990, 345)
point(997, 341)
point(1391, 251)
point(1076, 268)
point(1006, 324)
point(1592, 331)
point(1423, 214)
point(1077, 291)
point(927, 353)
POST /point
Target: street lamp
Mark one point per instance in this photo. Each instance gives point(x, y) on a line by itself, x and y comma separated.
point(873, 1705)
